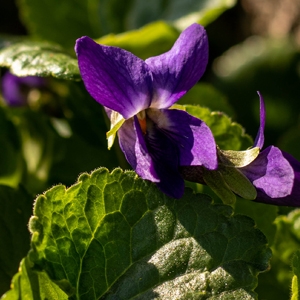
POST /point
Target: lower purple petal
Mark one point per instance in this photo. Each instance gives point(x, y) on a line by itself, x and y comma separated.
point(192, 137)
point(144, 162)
point(153, 156)
point(276, 176)
point(165, 160)
point(127, 140)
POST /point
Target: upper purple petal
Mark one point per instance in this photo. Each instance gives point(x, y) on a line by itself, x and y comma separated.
point(114, 77)
point(192, 137)
point(276, 176)
point(177, 70)
point(260, 138)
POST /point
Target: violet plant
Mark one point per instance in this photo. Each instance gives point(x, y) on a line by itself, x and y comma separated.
point(203, 207)
point(156, 140)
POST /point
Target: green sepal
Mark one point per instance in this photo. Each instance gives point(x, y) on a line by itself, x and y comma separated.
point(117, 121)
point(216, 182)
point(178, 106)
point(238, 183)
point(237, 159)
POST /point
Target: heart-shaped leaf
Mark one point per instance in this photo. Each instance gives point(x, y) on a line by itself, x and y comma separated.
point(117, 236)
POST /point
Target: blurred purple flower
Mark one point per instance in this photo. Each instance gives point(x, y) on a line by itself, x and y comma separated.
point(274, 173)
point(156, 140)
point(15, 89)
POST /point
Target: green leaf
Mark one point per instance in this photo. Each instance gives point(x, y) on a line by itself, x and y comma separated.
point(296, 271)
point(30, 284)
point(264, 216)
point(16, 208)
point(89, 123)
point(275, 284)
point(39, 145)
point(150, 40)
point(228, 135)
point(59, 21)
point(65, 21)
point(30, 58)
point(206, 95)
point(180, 13)
point(113, 235)
point(11, 161)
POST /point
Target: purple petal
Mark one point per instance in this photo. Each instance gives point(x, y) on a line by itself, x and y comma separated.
point(127, 140)
point(165, 160)
point(192, 136)
point(276, 176)
point(12, 88)
point(177, 70)
point(153, 156)
point(114, 77)
point(260, 138)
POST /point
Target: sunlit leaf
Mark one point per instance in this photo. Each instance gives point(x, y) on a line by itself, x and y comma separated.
point(90, 239)
point(29, 284)
point(30, 58)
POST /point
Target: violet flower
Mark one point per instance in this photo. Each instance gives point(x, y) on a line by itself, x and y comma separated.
point(137, 96)
point(274, 173)
point(15, 89)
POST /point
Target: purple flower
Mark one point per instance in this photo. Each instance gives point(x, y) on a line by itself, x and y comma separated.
point(274, 173)
point(15, 89)
point(137, 96)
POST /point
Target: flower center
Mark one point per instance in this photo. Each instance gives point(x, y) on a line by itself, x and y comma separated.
point(142, 121)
